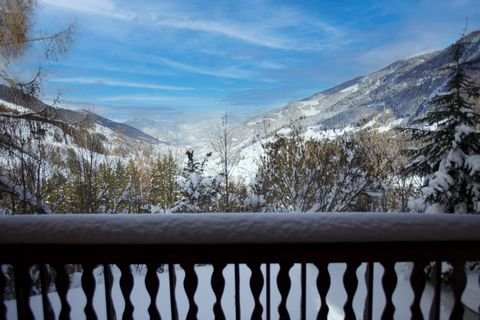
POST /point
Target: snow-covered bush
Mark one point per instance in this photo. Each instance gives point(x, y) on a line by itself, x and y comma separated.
point(317, 175)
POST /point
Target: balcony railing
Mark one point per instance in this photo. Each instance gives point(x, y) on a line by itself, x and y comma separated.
point(249, 266)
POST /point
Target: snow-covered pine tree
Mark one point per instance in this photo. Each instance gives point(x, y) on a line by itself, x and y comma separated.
point(198, 192)
point(164, 190)
point(448, 139)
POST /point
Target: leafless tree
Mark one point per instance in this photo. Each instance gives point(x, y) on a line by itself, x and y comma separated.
point(223, 145)
point(351, 172)
point(16, 37)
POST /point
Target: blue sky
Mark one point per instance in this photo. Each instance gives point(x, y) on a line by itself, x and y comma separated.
point(188, 60)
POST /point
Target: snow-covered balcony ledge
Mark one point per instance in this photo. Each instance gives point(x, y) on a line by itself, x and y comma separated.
point(270, 245)
point(237, 228)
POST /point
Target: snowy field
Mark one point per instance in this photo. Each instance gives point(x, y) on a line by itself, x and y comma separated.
point(403, 295)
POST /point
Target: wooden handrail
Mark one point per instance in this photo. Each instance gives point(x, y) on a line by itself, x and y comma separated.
point(256, 241)
point(241, 228)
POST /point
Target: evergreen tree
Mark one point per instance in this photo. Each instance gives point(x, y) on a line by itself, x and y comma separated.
point(448, 155)
point(155, 183)
point(134, 191)
point(198, 191)
point(106, 182)
point(122, 185)
point(164, 190)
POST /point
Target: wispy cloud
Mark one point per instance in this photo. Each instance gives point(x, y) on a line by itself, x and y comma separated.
point(278, 95)
point(259, 31)
point(227, 29)
point(271, 65)
point(165, 100)
point(98, 7)
point(127, 112)
point(228, 72)
point(202, 53)
point(254, 33)
point(119, 83)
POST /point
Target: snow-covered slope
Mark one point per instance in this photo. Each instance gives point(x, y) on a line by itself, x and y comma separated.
point(13, 97)
point(63, 130)
point(183, 133)
point(400, 88)
point(387, 98)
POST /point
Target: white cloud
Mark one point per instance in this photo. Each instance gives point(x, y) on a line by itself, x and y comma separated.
point(227, 29)
point(119, 83)
point(271, 65)
point(256, 30)
point(258, 33)
point(407, 44)
point(228, 72)
point(100, 7)
point(177, 101)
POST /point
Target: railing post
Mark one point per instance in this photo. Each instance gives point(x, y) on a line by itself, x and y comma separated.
point(126, 286)
point(389, 282)
point(418, 282)
point(3, 284)
point(284, 285)
point(256, 285)
point(367, 312)
point(350, 282)
point(62, 283)
point(108, 279)
point(190, 283)
point(172, 281)
point(88, 286)
point(459, 281)
point(45, 280)
point(267, 291)
point(303, 294)
point(437, 285)
point(152, 284)
point(23, 286)
point(218, 286)
point(237, 291)
point(323, 285)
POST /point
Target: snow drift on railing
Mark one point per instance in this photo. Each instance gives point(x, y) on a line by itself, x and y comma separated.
point(237, 228)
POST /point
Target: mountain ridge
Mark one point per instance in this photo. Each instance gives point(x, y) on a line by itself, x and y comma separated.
point(387, 98)
point(15, 96)
point(400, 88)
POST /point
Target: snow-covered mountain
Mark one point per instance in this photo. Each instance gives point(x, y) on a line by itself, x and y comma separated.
point(391, 95)
point(29, 126)
point(14, 97)
point(395, 93)
point(194, 135)
point(400, 90)
point(43, 149)
point(165, 131)
point(386, 98)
